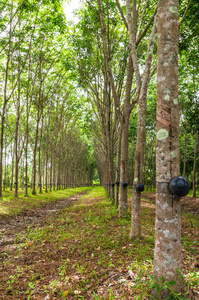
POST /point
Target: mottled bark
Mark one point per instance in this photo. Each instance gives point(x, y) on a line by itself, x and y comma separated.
point(167, 254)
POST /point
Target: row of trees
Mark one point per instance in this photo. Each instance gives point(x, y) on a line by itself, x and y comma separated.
point(63, 86)
point(39, 109)
point(116, 50)
point(117, 77)
point(39, 56)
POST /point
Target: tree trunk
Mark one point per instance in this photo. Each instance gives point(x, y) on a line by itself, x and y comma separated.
point(40, 172)
point(124, 141)
point(54, 169)
point(117, 175)
point(22, 175)
point(27, 125)
point(16, 143)
point(58, 174)
point(195, 162)
point(51, 169)
point(12, 171)
point(167, 254)
point(185, 153)
point(46, 189)
point(35, 154)
point(26, 158)
point(5, 101)
point(39, 169)
point(153, 175)
point(5, 170)
point(151, 166)
point(138, 172)
point(141, 134)
point(16, 158)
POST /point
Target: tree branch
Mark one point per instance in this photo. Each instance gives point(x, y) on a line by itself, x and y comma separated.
point(132, 22)
point(138, 40)
point(142, 18)
point(121, 13)
point(185, 13)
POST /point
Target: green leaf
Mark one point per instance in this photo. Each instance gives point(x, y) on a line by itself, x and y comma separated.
point(172, 282)
point(165, 287)
point(179, 273)
point(157, 287)
point(96, 297)
point(151, 277)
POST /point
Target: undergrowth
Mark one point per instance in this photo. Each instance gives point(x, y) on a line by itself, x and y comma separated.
point(10, 206)
point(86, 253)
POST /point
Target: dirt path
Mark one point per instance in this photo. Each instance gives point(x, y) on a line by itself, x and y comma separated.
point(11, 227)
point(190, 204)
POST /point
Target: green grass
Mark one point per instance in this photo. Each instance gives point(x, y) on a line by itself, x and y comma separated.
point(10, 206)
point(191, 193)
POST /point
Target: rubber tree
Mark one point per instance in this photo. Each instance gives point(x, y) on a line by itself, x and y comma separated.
point(141, 86)
point(167, 253)
point(109, 70)
point(138, 21)
point(122, 114)
point(101, 70)
point(6, 97)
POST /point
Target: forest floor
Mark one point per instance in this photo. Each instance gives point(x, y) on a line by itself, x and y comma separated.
point(77, 248)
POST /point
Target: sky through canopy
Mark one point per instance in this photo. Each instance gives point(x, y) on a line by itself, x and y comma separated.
point(69, 8)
